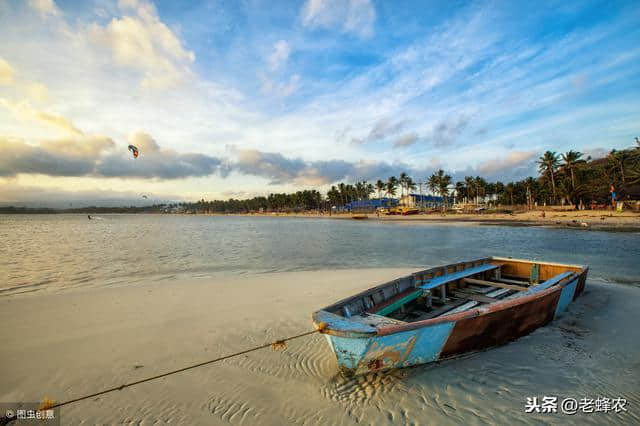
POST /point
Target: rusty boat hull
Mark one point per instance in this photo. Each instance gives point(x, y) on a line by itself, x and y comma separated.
point(446, 311)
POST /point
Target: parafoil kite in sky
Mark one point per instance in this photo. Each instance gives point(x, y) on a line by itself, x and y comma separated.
point(134, 150)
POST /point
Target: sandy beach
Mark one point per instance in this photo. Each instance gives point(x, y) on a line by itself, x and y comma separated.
point(600, 220)
point(63, 344)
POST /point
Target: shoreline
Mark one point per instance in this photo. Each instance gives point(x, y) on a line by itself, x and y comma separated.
point(595, 220)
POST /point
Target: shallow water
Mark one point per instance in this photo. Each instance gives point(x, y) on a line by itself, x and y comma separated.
point(51, 251)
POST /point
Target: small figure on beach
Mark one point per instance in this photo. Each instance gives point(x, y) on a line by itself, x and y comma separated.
point(612, 190)
point(89, 216)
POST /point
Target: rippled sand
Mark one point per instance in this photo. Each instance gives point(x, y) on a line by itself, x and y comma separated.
point(71, 342)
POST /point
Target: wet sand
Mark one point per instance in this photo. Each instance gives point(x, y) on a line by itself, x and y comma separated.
point(66, 343)
point(600, 220)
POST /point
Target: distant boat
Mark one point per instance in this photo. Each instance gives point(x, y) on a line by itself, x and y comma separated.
point(446, 311)
point(359, 216)
point(406, 211)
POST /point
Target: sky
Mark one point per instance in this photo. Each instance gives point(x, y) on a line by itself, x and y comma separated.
point(244, 98)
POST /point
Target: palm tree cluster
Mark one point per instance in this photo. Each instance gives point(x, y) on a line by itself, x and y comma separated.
point(566, 177)
point(346, 193)
point(439, 183)
point(296, 201)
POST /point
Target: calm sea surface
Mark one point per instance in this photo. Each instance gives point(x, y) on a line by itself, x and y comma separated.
point(52, 251)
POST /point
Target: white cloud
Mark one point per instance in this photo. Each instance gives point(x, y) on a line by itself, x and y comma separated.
point(349, 16)
point(145, 43)
point(511, 162)
point(6, 72)
point(44, 7)
point(405, 140)
point(279, 55)
point(24, 111)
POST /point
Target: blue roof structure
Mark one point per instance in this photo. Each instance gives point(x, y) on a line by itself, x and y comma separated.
point(429, 199)
point(370, 204)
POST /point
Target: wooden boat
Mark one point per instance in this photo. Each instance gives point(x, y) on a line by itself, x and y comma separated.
point(446, 311)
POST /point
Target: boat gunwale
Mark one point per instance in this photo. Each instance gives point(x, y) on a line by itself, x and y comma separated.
point(471, 313)
point(379, 286)
point(509, 259)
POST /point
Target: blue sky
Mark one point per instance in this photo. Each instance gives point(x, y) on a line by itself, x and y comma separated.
point(234, 99)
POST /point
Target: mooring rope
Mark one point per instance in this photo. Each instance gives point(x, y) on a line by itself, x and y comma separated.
point(278, 344)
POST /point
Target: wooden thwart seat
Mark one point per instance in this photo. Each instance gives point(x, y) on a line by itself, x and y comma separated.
point(477, 297)
point(455, 276)
point(395, 302)
point(494, 284)
point(510, 281)
point(441, 311)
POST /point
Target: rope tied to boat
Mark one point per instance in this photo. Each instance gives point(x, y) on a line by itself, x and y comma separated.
point(48, 404)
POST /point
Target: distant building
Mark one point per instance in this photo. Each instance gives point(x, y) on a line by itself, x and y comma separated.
point(420, 200)
point(369, 204)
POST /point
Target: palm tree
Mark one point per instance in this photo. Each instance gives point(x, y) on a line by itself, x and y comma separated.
point(460, 191)
point(334, 195)
point(392, 184)
point(380, 186)
point(570, 159)
point(490, 191)
point(470, 186)
point(443, 188)
point(499, 189)
point(369, 189)
point(359, 190)
point(410, 184)
point(480, 185)
point(547, 164)
point(509, 190)
point(439, 183)
point(343, 192)
point(618, 159)
point(403, 182)
point(433, 183)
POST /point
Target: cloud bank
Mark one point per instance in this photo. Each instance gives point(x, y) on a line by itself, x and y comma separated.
point(279, 169)
point(98, 156)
